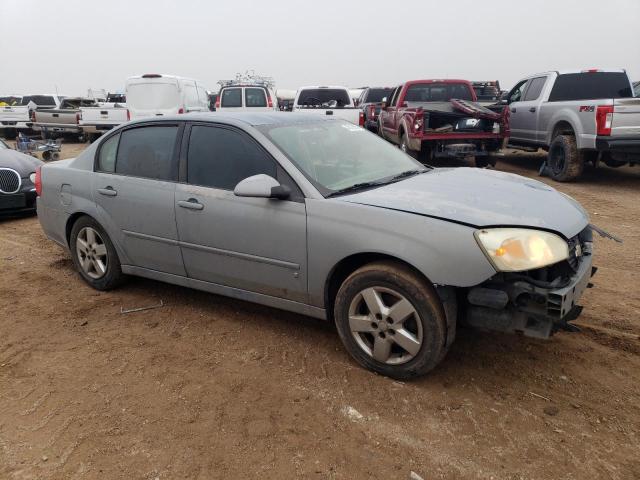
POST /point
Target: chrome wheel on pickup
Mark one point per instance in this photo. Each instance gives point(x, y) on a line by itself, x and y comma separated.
point(391, 320)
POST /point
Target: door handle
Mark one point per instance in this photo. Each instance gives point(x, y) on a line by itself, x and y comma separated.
point(108, 191)
point(513, 110)
point(191, 204)
point(532, 109)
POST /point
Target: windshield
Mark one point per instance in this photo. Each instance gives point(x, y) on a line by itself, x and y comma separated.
point(153, 96)
point(375, 95)
point(337, 155)
point(324, 98)
point(40, 100)
point(437, 92)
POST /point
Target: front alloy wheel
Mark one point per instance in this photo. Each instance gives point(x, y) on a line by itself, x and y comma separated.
point(385, 325)
point(391, 320)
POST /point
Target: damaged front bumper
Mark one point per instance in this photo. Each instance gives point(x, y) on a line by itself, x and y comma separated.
point(519, 304)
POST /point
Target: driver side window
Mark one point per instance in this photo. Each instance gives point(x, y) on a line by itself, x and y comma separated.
point(517, 92)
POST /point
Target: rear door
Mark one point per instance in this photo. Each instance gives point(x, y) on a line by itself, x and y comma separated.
point(255, 98)
point(134, 189)
point(231, 97)
point(254, 244)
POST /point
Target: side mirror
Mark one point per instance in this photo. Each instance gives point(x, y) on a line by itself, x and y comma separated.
point(261, 186)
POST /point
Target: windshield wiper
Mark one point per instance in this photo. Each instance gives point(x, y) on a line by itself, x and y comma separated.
point(408, 173)
point(356, 187)
point(378, 183)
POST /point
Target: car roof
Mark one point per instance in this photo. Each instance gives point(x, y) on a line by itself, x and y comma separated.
point(581, 70)
point(248, 118)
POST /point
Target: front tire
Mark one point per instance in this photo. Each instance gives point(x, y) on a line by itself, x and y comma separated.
point(565, 162)
point(94, 255)
point(391, 320)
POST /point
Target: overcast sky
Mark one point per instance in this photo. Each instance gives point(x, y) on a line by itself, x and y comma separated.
point(77, 44)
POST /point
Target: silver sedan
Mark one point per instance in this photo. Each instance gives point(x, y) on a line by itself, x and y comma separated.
point(321, 217)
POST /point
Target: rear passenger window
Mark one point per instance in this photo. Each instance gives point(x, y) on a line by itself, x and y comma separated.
point(107, 155)
point(534, 90)
point(231, 97)
point(148, 152)
point(221, 158)
point(255, 97)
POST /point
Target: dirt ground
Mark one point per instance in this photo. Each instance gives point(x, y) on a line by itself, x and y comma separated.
point(208, 387)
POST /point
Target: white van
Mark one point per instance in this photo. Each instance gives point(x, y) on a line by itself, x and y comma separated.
point(153, 95)
point(246, 98)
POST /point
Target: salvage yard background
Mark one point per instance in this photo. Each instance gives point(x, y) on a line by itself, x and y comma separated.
point(209, 387)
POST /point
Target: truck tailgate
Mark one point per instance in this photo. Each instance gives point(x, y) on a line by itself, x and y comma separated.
point(14, 114)
point(350, 114)
point(626, 118)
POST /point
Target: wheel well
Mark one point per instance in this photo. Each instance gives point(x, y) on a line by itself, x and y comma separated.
point(562, 128)
point(70, 222)
point(346, 267)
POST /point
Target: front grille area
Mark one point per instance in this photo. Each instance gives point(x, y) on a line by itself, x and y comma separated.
point(10, 181)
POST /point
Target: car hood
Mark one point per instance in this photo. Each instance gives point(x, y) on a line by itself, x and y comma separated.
point(21, 163)
point(479, 198)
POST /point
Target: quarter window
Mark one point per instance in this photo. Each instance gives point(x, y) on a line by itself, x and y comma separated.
point(255, 97)
point(148, 152)
point(107, 155)
point(231, 97)
point(535, 88)
point(221, 158)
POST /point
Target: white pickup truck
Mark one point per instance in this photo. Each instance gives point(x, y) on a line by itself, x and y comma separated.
point(15, 118)
point(579, 117)
point(333, 101)
point(94, 121)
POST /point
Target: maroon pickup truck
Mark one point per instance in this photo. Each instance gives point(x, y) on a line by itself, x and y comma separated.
point(440, 118)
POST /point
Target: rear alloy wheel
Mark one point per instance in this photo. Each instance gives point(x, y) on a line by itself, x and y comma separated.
point(94, 255)
point(404, 146)
point(565, 162)
point(391, 321)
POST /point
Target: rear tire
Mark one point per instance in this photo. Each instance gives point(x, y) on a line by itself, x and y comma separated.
point(404, 146)
point(94, 255)
point(565, 162)
point(406, 336)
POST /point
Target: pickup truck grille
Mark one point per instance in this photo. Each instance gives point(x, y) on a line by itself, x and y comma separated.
point(10, 181)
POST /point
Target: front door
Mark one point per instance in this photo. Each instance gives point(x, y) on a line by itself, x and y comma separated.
point(134, 189)
point(517, 115)
point(253, 244)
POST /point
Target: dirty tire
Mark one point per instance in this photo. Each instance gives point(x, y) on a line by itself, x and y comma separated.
point(428, 312)
point(564, 160)
point(404, 146)
point(113, 275)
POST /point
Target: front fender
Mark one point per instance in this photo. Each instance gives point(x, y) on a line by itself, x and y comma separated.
point(444, 252)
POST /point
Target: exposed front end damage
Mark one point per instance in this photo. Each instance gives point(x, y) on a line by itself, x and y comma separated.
point(535, 303)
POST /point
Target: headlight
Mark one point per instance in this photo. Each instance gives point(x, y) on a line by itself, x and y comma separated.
point(520, 249)
point(32, 178)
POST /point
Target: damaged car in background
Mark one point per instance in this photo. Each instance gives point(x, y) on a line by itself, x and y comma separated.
point(441, 118)
point(320, 217)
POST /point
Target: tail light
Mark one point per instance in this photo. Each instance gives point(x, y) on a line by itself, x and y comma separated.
point(78, 117)
point(38, 181)
point(33, 115)
point(361, 119)
point(372, 112)
point(128, 115)
point(180, 111)
point(217, 102)
point(270, 102)
point(604, 118)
